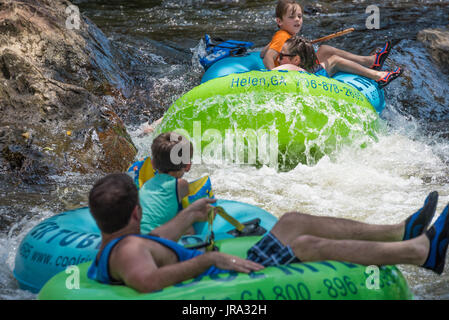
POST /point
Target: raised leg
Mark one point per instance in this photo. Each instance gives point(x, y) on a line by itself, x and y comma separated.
point(311, 248)
point(427, 250)
point(295, 224)
point(325, 51)
point(333, 64)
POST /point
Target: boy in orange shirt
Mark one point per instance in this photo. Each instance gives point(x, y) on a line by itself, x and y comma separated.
point(289, 21)
point(289, 18)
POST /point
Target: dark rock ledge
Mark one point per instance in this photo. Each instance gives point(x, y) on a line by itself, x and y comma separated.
point(60, 93)
point(437, 42)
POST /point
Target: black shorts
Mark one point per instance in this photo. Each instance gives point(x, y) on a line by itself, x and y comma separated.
point(269, 251)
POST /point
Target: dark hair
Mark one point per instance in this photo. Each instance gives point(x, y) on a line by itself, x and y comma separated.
point(112, 201)
point(283, 5)
point(161, 151)
point(304, 49)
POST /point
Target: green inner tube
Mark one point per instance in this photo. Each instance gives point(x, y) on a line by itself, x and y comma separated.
point(305, 116)
point(326, 280)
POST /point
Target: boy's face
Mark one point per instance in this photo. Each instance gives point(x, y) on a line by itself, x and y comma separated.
point(292, 20)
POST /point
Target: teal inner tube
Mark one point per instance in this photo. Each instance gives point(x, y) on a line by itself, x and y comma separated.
point(72, 238)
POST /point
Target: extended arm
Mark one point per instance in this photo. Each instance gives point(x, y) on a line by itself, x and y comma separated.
point(264, 51)
point(182, 222)
point(135, 266)
point(133, 263)
point(270, 56)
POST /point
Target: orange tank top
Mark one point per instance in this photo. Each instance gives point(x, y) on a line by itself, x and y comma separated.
point(278, 41)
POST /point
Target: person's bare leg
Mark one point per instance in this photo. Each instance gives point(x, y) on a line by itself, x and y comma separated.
point(325, 51)
point(311, 248)
point(150, 128)
point(427, 250)
point(335, 63)
point(293, 224)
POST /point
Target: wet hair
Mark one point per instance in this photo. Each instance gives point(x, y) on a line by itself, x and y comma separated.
point(112, 200)
point(161, 151)
point(304, 49)
point(283, 6)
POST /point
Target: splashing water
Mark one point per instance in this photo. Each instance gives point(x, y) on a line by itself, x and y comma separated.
point(382, 183)
point(302, 126)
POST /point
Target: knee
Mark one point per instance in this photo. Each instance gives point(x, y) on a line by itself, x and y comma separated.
point(296, 223)
point(292, 217)
point(324, 52)
point(325, 49)
point(307, 247)
point(334, 60)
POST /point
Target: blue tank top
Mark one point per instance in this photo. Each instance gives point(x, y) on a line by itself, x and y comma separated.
point(99, 269)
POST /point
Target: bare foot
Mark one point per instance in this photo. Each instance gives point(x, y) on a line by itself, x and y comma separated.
point(150, 128)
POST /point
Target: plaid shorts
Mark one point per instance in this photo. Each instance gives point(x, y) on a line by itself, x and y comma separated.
point(269, 251)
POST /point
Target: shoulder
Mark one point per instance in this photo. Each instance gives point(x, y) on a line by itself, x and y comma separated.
point(130, 259)
point(131, 244)
point(183, 183)
point(131, 250)
point(279, 39)
point(158, 183)
point(289, 67)
point(150, 183)
point(183, 188)
point(281, 35)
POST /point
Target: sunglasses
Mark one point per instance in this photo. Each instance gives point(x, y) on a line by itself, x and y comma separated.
point(282, 55)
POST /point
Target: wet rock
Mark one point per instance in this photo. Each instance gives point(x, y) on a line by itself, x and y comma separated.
point(56, 79)
point(422, 91)
point(437, 42)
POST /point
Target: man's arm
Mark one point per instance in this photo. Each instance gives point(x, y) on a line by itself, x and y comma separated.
point(134, 264)
point(270, 56)
point(182, 222)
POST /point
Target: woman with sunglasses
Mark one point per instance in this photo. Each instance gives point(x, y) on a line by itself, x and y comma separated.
point(298, 54)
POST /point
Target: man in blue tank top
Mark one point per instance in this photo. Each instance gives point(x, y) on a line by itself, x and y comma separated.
point(152, 262)
point(143, 262)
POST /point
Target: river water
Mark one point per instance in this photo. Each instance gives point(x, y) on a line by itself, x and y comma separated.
point(383, 183)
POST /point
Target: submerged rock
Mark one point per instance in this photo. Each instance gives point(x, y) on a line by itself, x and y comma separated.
point(60, 93)
point(437, 41)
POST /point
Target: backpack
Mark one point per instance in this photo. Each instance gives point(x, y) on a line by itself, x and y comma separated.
point(223, 49)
